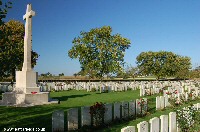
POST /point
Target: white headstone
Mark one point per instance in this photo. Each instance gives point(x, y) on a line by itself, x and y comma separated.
point(117, 110)
point(172, 122)
point(128, 129)
point(143, 127)
point(198, 106)
point(166, 101)
point(154, 124)
point(108, 113)
point(164, 123)
point(132, 109)
point(138, 107)
point(145, 105)
point(58, 121)
point(162, 102)
point(141, 91)
point(86, 117)
point(157, 103)
point(124, 109)
point(72, 118)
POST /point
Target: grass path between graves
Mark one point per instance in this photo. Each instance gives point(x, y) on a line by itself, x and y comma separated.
point(41, 116)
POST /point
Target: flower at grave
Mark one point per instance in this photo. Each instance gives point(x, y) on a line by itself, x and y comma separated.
point(143, 102)
point(175, 91)
point(187, 118)
point(97, 111)
point(33, 92)
point(191, 95)
point(160, 91)
point(177, 102)
point(142, 107)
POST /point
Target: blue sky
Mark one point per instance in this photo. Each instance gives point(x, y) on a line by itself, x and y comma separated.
point(151, 25)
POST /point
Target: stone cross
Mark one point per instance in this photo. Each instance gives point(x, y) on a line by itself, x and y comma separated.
point(28, 38)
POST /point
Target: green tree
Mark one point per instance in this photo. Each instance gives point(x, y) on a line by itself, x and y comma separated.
point(48, 74)
point(61, 74)
point(195, 73)
point(12, 48)
point(128, 71)
point(163, 64)
point(4, 10)
point(132, 71)
point(99, 52)
point(184, 64)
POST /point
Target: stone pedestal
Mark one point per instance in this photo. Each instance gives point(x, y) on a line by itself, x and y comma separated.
point(12, 98)
point(26, 81)
point(38, 98)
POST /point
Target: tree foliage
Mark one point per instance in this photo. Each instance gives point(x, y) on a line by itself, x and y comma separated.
point(163, 64)
point(132, 71)
point(61, 74)
point(184, 65)
point(99, 52)
point(195, 73)
point(12, 48)
point(128, 71)
point(4, 10)
point(48, 74)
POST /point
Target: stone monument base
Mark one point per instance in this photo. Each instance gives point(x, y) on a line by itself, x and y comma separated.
point(14, 99)
point(33, 89)
point(26, 79)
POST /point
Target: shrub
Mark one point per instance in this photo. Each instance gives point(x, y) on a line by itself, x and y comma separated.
point(106, 89)
point(93, 89)
point(97, 112)
point(188, 119)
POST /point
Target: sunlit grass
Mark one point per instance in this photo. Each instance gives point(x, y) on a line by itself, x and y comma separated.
point(41, 116)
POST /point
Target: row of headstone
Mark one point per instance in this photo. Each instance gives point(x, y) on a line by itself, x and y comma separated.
point(149, 91)
point(163, 124)
point(146, 87)
point(150, 88)
point(98, 86)
point(116, 111)
point(115, 86)
point(6, 88)
point(46, 87)
point(162, 102)
point(178, 98)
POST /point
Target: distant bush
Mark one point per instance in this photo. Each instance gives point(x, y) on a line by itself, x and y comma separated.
point(93, 89)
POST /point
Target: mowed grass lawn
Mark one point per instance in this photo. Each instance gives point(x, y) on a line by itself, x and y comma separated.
point(41, 116)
